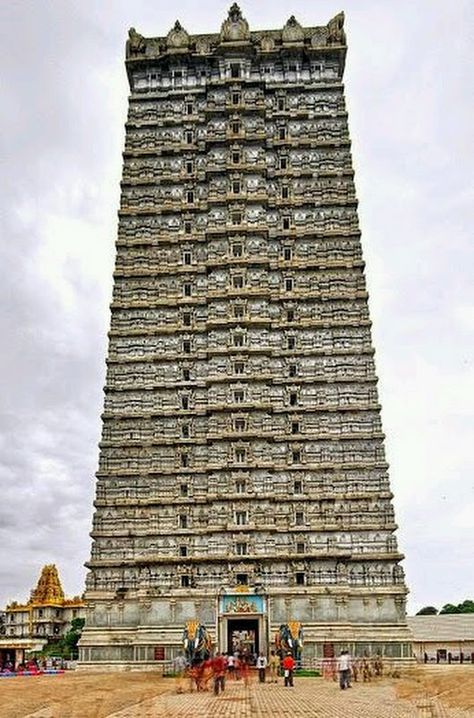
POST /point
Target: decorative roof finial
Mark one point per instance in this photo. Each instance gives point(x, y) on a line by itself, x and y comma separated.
point(292, 32)
point(177, 37)
point(136, 44)
point(336, 34)
point(235, 13)
point(235, 27)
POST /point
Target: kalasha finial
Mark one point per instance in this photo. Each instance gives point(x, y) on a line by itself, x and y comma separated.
point(235, 13)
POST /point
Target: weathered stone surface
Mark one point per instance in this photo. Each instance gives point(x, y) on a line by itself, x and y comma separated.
point(242, 443)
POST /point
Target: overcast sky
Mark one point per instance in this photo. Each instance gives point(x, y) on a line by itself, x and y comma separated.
point(63, 106)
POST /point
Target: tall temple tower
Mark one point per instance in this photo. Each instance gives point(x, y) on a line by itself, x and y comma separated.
point(242, 480)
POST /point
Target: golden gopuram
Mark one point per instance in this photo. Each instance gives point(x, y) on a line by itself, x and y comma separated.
point(45, 617)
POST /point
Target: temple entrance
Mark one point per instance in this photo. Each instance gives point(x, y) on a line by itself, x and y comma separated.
point(8, 657)
point(243, 636)
point(242, 622)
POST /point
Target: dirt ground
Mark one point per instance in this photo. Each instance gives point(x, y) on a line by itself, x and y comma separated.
point(454, 686)
point(78, 695)
point(83, 695)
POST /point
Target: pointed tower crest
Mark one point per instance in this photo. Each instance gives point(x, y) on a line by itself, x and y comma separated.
point(235, 27)
point(177, 37)
point(48, 589)
point(292, 32)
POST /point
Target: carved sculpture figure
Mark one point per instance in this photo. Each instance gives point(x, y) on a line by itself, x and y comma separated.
point(177, 36)
point(235, 27)
point(267, 43)
point(136, 44)
point(292, 32)
point(336, 34)
point(197, 642)
point(290, 638)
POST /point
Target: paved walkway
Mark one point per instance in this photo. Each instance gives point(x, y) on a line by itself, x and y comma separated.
point(310, 698)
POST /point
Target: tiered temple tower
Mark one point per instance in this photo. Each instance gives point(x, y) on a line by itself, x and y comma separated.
point(45, 617)
point(242, 480)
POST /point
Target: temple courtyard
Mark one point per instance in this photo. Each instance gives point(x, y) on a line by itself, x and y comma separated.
point(423, 693)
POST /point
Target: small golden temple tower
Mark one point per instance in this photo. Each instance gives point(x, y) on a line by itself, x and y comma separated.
point(44, 618)
point(48, 589)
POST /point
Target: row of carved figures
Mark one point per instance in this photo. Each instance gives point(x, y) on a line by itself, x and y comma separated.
point(163, 110)
point(253, 158)
point(157, 139)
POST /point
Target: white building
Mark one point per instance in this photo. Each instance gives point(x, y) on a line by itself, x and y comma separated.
point(448, 638)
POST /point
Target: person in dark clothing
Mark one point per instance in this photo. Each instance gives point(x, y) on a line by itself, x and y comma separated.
point(219, 666)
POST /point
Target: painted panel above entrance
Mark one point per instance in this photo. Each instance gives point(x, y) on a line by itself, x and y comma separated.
point(242, 603)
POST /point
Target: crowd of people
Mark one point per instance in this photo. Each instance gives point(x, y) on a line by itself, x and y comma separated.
point(352, 669)
point(31, 666)
point(212, 673)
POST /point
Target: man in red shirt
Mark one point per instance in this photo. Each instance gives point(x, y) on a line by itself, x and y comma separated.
point(288, 665)
point(219, 665)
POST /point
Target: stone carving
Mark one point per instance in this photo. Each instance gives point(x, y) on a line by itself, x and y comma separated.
point(292, 32)
point(235, 27)
point(336, 34)
point(290, 639)
point(203, 47)
point(167, 499)
point(136, 44)
point(319, 37)
point(267, 43)
point(197, 641)
point(177, 37)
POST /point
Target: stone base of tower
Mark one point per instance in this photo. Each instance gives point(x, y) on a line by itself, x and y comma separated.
point(145, 633)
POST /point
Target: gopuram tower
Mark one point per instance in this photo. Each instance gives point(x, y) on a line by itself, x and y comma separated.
point(242, 479)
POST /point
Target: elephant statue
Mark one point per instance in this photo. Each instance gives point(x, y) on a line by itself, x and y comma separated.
point(197, 642)
point(289, 638)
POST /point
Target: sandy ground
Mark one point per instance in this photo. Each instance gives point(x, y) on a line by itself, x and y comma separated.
point(78, 695)
point(454, 687)
point(82, 695)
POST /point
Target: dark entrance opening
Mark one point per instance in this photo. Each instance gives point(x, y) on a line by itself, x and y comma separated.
point(7, 657)
point(243, 636)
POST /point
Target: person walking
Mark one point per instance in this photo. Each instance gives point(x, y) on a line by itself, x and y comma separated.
point(219, 666)
point(179, 666)
point(231, 665)
point(261, 667)
point(288, 664)
point(344, 668)
point(274, 664)
point(245, 671)
point(207, 673)
point(237, 667)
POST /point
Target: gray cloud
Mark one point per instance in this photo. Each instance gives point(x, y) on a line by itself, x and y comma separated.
point(64, 100)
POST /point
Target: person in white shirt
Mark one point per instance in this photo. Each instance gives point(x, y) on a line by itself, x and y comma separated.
point(261, 665)
point(231, 665)
point(344, 668)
